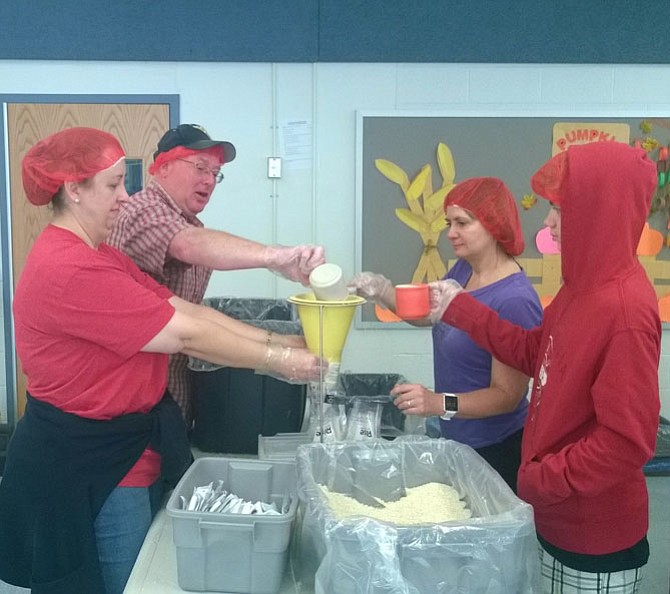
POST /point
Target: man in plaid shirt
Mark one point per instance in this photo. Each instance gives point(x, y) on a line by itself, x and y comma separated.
point(160, 230)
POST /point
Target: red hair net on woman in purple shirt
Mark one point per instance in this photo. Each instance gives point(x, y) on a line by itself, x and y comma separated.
point(491, 202)
point(73, 154)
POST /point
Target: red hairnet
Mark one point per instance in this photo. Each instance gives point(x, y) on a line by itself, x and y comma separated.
point(491, 202)
point(73, 154)
point(181, 152)
point(548, 180)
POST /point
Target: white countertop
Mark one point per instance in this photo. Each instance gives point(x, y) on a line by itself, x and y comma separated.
point(155, 570)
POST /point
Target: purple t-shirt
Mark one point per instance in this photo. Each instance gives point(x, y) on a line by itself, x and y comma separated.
point(461, 366)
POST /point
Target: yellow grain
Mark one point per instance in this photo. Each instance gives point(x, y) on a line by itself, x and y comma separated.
point(431, 503)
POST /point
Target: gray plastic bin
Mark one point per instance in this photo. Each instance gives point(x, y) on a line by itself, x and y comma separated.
point(283, 446)
point(222, 552)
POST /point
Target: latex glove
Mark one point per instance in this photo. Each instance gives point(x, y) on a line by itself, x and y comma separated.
point(288, 340)
point(441, 294)
point(374, 287)
point(292, 365)
point(294, 263)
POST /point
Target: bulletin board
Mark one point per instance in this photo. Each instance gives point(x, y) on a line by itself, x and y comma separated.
point(393, 145)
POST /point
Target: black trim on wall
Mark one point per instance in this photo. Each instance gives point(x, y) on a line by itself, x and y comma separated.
point(493, 31)
point(163, 30)
point(470, 31)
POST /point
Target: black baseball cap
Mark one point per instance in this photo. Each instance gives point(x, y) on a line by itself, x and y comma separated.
point(195, 137)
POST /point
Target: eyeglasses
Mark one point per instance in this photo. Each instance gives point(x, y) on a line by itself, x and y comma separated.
point(202, 169)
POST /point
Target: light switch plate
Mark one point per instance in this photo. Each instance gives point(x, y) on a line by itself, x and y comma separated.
point(274, 167)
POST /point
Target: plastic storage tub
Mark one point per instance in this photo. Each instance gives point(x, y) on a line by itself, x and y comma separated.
point(220, 552)
point(494, 552)
point(233, 406)
point(283, 446)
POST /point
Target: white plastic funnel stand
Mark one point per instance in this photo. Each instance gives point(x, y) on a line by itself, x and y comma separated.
point(326, 326)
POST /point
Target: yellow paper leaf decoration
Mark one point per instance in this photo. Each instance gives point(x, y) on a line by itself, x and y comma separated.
point(528, 201)
point(411, 220)
point(393, 172)
point(438, 225)
point(435, 203)
point(445, 162)
point(415, 190)
point(425, 213)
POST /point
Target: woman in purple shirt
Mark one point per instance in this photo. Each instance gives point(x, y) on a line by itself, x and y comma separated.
point(478, 400)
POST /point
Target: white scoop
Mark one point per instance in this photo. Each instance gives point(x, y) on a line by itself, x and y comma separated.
point(328, 284)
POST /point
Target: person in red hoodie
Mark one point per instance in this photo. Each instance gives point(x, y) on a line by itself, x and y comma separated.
point(594, 409)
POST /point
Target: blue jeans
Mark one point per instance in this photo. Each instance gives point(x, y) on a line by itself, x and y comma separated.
point(120, 529)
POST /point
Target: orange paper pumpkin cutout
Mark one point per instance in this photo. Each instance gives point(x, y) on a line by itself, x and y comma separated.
point(546, 300)
point(651, 242)
point(664, 308)
point(386, 315)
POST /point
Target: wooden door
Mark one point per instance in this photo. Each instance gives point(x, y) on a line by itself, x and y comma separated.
point(137, 126)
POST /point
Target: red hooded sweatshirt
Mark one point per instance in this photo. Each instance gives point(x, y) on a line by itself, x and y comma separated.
point(594, 408)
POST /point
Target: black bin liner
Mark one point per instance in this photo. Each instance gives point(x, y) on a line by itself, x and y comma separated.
point(659, 465)
point(5, 433)
point(373, 388)
point(233, 406)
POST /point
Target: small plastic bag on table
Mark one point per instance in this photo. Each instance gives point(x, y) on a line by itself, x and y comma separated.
point(345, 418)
point(364, 420)
point(375, 388)
point(327, 420)
point(334, 424)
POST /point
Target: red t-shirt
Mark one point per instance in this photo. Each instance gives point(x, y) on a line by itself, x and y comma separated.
point(81, 317)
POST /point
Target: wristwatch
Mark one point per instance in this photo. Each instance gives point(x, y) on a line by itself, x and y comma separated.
point(450, 405)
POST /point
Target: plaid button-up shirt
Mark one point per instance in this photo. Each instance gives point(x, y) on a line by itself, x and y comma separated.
point(147, 224)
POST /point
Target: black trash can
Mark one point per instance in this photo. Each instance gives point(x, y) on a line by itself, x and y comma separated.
point(233, 406)
point(663, 439)
point(5, 434)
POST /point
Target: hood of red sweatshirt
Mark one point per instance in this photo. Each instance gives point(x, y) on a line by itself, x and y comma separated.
point(604, 190)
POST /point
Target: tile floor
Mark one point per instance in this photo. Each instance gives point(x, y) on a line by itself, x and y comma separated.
point(656, 571)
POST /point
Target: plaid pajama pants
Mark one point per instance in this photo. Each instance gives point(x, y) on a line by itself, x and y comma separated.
point(556, 578)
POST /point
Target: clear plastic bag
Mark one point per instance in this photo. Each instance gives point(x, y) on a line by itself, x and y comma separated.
point(493, 552)
point(334, 424)
point(365, 409)
point(364, 421)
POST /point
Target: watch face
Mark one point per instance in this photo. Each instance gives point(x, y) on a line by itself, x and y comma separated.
point(450, 403)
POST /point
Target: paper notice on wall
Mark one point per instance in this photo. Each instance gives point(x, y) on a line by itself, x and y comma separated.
point(569, 133)
point(295, 143)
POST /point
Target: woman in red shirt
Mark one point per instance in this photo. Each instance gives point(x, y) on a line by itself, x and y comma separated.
point(93, 334)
